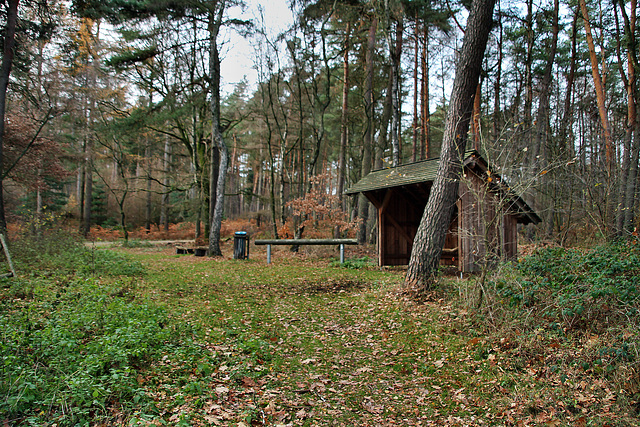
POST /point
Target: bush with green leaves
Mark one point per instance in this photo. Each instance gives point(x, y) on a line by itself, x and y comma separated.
point(577, 288)
point(75, 336)
point(355, 263)
point(72, 356)
point(60, 252)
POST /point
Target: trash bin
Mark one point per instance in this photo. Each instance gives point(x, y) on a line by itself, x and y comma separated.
point(240, 245)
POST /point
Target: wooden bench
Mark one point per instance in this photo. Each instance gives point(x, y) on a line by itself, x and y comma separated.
point(197, 250)
point(305, 242)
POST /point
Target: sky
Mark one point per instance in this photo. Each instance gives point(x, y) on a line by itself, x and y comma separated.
point(238, 53)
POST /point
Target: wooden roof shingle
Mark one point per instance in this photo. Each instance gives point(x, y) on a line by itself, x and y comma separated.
point(425, 171)
point(407, 174)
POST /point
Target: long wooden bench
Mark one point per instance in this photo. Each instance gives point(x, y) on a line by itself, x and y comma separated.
point(305, 242)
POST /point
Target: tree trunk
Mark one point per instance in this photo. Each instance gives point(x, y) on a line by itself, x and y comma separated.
point(88, 182)
point(543, 129)
point(215, 20)
point(497, 89)
point(396, 58)
point(8, 51)
point(166, 182)
point(344, 124)
point(477, 104)
point(148, 211)
point(430, 236)
point(602, 111)
point(425, 136)
point(363, 203)
point(416, 95)
point(214, 160)
point(633, 95)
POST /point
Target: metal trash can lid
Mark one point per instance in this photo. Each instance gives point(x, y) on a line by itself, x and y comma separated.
point(240, 233)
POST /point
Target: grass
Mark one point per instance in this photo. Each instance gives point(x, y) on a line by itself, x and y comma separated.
point(302, 341)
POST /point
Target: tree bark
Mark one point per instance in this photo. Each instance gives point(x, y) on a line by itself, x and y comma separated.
point(497, 89)
point(430, 236)
point(344, 128)
point(416, 95)
point(425, 134)
point(396, 58)
point(543, 129)
point(215, 21)
point(630, 184)
point(602, 111)
point(8, 51)
point(166, 182)
point(363, 203)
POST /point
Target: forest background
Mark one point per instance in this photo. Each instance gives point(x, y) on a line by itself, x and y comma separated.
point(115, 117)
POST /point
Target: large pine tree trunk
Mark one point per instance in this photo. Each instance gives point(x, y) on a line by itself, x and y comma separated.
point(429, 239)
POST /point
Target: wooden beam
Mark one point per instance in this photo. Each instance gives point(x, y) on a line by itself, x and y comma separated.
point(385, 202)
point(300, 242)
point(401, 230)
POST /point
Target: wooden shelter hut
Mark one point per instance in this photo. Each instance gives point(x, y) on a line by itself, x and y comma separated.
point(483, 228)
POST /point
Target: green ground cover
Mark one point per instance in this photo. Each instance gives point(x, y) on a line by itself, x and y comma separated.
point(141, 336)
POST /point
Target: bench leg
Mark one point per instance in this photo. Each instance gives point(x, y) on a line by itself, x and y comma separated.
point(268, 254)
point(341, 254)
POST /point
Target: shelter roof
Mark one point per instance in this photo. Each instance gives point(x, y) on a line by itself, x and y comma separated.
point(426, 170)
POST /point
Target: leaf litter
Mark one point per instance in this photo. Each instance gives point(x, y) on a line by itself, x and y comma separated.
point(304, 344)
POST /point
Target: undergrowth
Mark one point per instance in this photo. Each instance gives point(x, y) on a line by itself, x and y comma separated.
point(575, 310)
point(72, 344)
point(141, 336)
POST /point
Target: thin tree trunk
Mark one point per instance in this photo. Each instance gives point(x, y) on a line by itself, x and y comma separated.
point(344, 124)
point(631, 191)
point(215, 21)
point(497, 89)
point(396, 59)
point(363, 203)
point(602, 111)
point(542, 120)
point(425, 151)
point(632, 147)
point(147, 219)
point(430, 236)
point(477, 102)
point(416, 95)
point(214, 160)
point(166, 182)
point(88, 187)
point(8, 51)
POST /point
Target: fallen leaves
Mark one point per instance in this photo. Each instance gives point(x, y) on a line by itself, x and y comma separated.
point(343, 352)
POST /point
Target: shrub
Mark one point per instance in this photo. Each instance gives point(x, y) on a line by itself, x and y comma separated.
point(579, 287)
point(72, 347)
point(75, 353)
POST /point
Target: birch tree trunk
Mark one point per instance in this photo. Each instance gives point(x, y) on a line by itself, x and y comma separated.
point(215, 21)
point(430, 236)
